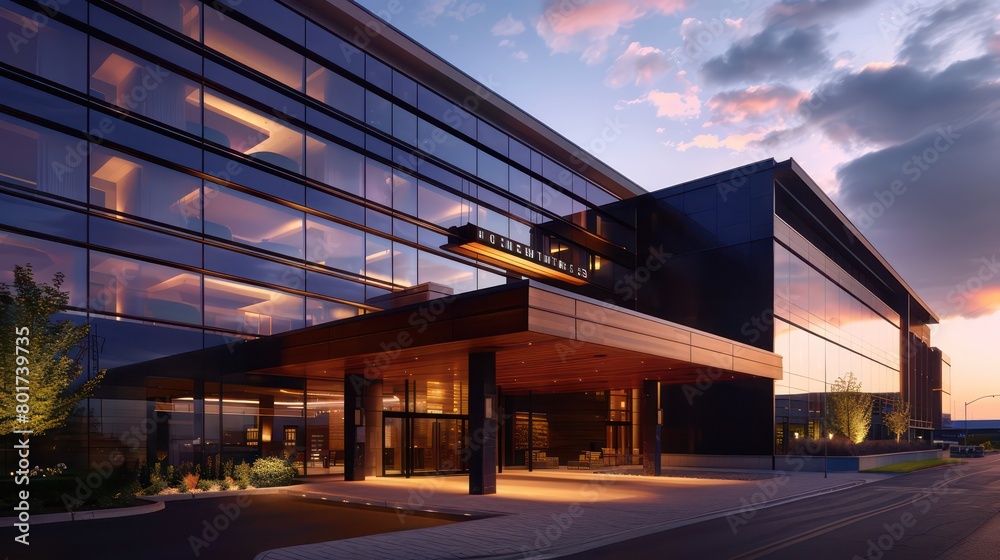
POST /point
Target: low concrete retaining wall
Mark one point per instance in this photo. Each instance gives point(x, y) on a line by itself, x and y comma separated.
point(749, 462)
point(796, 462)
point(850, 464)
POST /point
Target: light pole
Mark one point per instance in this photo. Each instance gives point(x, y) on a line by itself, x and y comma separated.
point(967, 415)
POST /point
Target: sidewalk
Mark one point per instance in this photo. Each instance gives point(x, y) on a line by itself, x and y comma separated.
point(553, 513)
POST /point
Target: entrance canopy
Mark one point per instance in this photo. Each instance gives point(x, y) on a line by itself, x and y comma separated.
point(545, 339)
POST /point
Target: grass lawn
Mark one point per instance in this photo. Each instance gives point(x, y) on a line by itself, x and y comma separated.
point(910, 466)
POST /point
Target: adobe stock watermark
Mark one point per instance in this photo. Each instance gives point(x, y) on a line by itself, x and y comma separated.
point(965, 290)
point(212, 529)
point(894, 532)
point(546, 537)
point(626, 289)
point(47, 9)
point(767, 490)
point(912, 169)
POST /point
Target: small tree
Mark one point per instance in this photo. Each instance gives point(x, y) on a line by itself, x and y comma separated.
point(851, 410)
point(898, 417)
point(35, 353)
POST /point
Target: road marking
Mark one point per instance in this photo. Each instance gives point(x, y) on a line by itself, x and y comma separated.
point(773, 547)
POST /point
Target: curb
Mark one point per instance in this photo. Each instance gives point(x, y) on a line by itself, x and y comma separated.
point(219, 494)
point(46, 518)
point(156, 503)
point(352, 501)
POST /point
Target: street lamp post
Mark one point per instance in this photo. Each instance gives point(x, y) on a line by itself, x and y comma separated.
point(967, 415)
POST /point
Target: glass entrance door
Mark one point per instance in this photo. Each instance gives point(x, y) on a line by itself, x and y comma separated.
point(423, 444)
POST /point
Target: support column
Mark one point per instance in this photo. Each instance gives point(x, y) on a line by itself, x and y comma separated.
point(265, 411)
point(649, 418)
point(372, 401)
point(354, 426)
point(482, 438)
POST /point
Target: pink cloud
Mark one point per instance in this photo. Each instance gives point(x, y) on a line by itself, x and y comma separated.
point(735, 142)
point(670, 104)
point(586, 27)
point(758, 102)
point(638, 64)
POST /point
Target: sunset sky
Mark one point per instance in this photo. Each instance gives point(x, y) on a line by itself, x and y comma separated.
point(893, 107)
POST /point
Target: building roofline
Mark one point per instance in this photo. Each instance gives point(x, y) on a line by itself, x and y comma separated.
point(850, 228)
point(395, 47)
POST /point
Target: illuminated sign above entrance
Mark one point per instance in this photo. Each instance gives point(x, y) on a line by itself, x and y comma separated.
point(474, 241)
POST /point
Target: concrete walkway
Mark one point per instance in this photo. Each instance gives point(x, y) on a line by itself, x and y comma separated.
point(547, 514)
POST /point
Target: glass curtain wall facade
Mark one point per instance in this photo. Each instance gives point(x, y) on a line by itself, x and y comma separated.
point(205, 173)
point(825, 325)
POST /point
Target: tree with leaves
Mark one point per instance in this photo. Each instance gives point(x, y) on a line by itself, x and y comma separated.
point(851, 410)
point(897, 419)
point(37, 352)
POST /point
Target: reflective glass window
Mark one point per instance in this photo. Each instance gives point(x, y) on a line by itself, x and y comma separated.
point(333, 48)
point(126, 184)
point(332, 164)
point(277, 101)
point(598, 196)
point(253, 268)
point(493, 138)
point(143, 139)
point(335, 206)
point(378, 258)
point(41, 159)
point(377, 220)
point(130, 33)
point(558, 203)
point(38, 44)
point(404, 88)
point(33, 101)
point(378, 183)
point(128, 342)
point(446, 111)
point(335, 90)
point(239, 127)
point(252, 49)
point(319, 311)
point(378, 112)
point(237, 171)
point(183, 16)
point(557, 173)
point(404, 126)
point(450, 148)
point(520, 184)
point(131, 287)
point(433, 268)
point(46, 259)
point(36, 216)
point(235, 216)
point(442, 208)
point(116, 234)
point(329, 285)
point(251, 309)
point(404, 192)
point(492, 170)
point(520, 153)
point(404, 265)
point(335, 245)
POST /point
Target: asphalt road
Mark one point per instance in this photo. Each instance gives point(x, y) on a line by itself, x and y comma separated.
point(916, 516)
point(181, 531)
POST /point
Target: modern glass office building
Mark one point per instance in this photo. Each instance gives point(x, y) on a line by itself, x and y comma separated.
point(295, 231)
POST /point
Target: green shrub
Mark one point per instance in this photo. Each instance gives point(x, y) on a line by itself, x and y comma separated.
point(271, 471)
point(241, 473)
point(205, 484)
point(225, 483)
point(227, 469)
